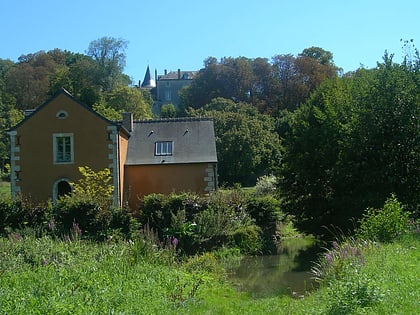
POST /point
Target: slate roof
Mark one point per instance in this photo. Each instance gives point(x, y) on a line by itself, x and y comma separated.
point(174, 75)
point(193, 141)
point(148, 82)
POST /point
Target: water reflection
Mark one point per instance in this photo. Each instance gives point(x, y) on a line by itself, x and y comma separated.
point(284, 273)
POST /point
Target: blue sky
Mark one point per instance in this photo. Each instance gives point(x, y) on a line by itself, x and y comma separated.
point(172, 34)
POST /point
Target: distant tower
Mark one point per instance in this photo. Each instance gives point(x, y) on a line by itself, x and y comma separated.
point(148, 82)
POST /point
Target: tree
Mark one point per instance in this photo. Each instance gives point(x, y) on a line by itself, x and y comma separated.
point(109, 55)
point(231, 78)
point(282, 84)
point(353, 144)
point(324, 57)
point(247, 144)
point(129, 99)
point(29, 80)
point(295, 78)
point(168, 111)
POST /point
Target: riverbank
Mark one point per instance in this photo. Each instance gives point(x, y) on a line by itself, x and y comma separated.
point(50, 276)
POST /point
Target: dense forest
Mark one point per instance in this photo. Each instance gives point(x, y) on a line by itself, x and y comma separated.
point(336, 142)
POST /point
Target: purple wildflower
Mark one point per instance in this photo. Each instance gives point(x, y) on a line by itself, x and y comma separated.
point(174, 241)
point(328, 258)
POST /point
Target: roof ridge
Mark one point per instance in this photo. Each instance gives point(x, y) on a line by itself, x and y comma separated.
point(178, 119)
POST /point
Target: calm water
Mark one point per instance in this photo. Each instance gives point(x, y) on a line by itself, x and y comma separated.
point(284, 273)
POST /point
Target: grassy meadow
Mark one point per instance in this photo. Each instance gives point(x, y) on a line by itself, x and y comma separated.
point(53, 276)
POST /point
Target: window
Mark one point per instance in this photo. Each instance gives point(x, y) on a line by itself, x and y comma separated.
point(167, 95)
point(63, 148)
point(62, 114)
point(163, 148)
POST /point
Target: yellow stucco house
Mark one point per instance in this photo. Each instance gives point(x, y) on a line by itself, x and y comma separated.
point(148, 156)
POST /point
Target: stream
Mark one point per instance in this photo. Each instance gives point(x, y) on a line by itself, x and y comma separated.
point(287, 273)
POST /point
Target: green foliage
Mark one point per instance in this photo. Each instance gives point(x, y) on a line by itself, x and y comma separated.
point(203, 263)
point(109, 55)
point(129, 99)
point(352, 293)
point(266, 184)
point(248, 239)
point(107, 111)
point(351, 145)
point(228, 218)
point(90, 207)
point(81, 277)
point(266, 212)
point(386, 224)
point(159, 211)
point(270, 86)
point(93, 221)
point(21, 213)
point(246, 141)
point(168, 111)
point(95, 187)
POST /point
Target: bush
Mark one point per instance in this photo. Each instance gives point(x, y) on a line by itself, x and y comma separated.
point(201, 224)
point(160, 211)
point(386, 224)
point(20, 213)
point(265, 210)
point(266, 184)
point(247, 239)
point(94, 222)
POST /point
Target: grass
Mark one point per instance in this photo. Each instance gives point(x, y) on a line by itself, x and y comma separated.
point(4, 188)
point(51, 276)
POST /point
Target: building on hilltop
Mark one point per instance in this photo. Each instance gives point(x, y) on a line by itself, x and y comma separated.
point(165, 88)
point(148, 82)
point(169, 84)
point(148, 156)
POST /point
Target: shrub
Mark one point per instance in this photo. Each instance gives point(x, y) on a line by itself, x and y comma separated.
point(21, 213)
point(266, 184)
point(94, 186)
point(205, 262)
point(386, 224)
point(247, 239)
point(95, 222)
point(265, 210)
point(202, 223)
point(161, 212)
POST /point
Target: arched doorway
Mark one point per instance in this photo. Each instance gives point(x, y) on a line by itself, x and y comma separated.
point(61, 188)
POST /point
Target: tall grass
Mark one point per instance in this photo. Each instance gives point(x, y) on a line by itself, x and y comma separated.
point(47, 276)
point(55, 276)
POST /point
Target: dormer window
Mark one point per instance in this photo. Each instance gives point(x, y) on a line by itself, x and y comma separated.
point(164, 148)
point(62, 114)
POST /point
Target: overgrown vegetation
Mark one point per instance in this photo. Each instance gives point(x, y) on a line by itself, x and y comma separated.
point(54, 274)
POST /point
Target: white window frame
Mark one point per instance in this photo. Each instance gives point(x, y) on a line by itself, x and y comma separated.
point(164, 148)
point(56, 148)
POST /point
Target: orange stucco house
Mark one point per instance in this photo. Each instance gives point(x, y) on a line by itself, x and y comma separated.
point(149, 156)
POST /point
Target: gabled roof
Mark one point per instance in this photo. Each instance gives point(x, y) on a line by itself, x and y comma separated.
point(193, 141)
point(67, 94)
